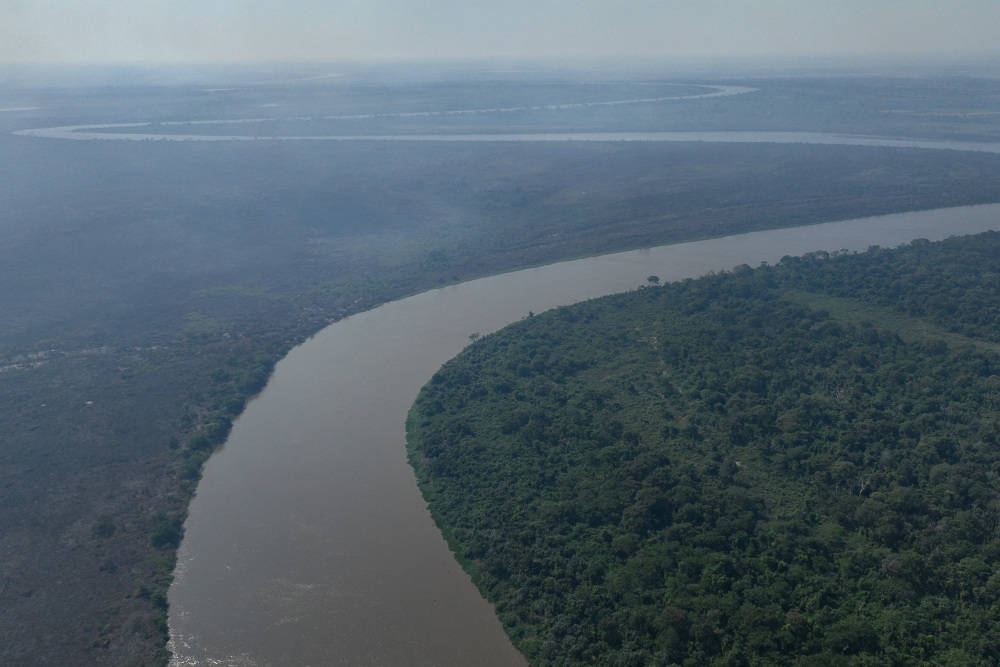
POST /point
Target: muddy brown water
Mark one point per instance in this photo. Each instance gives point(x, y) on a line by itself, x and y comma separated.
point(308, 542)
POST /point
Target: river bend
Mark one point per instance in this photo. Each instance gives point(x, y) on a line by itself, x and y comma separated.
point(308, 541)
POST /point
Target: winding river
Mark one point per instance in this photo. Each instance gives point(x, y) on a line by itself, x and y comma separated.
point(100, 133)
point(308, 542)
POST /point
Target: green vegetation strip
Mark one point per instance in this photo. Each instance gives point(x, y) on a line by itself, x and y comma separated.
point(910, 329)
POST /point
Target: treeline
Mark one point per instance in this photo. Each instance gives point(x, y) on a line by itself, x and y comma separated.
point(711, 473)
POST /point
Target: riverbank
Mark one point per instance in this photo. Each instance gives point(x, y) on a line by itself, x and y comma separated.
point(721, 469)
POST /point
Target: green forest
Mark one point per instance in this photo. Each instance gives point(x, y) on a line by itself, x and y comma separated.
point(790, 464)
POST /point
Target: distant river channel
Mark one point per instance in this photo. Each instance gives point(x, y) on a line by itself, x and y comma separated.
point(308, 542)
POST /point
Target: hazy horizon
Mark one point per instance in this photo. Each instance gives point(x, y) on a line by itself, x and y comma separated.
point(183, 31)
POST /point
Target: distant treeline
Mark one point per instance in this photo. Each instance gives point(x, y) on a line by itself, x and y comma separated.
point(788, 464)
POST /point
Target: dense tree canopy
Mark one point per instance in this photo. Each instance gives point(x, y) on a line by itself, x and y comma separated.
point(740, 469)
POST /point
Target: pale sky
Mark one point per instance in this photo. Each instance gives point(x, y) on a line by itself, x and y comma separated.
point(233, 30)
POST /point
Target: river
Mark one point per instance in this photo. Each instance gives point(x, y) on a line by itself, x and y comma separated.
point(101, 133)
point(308, 542)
